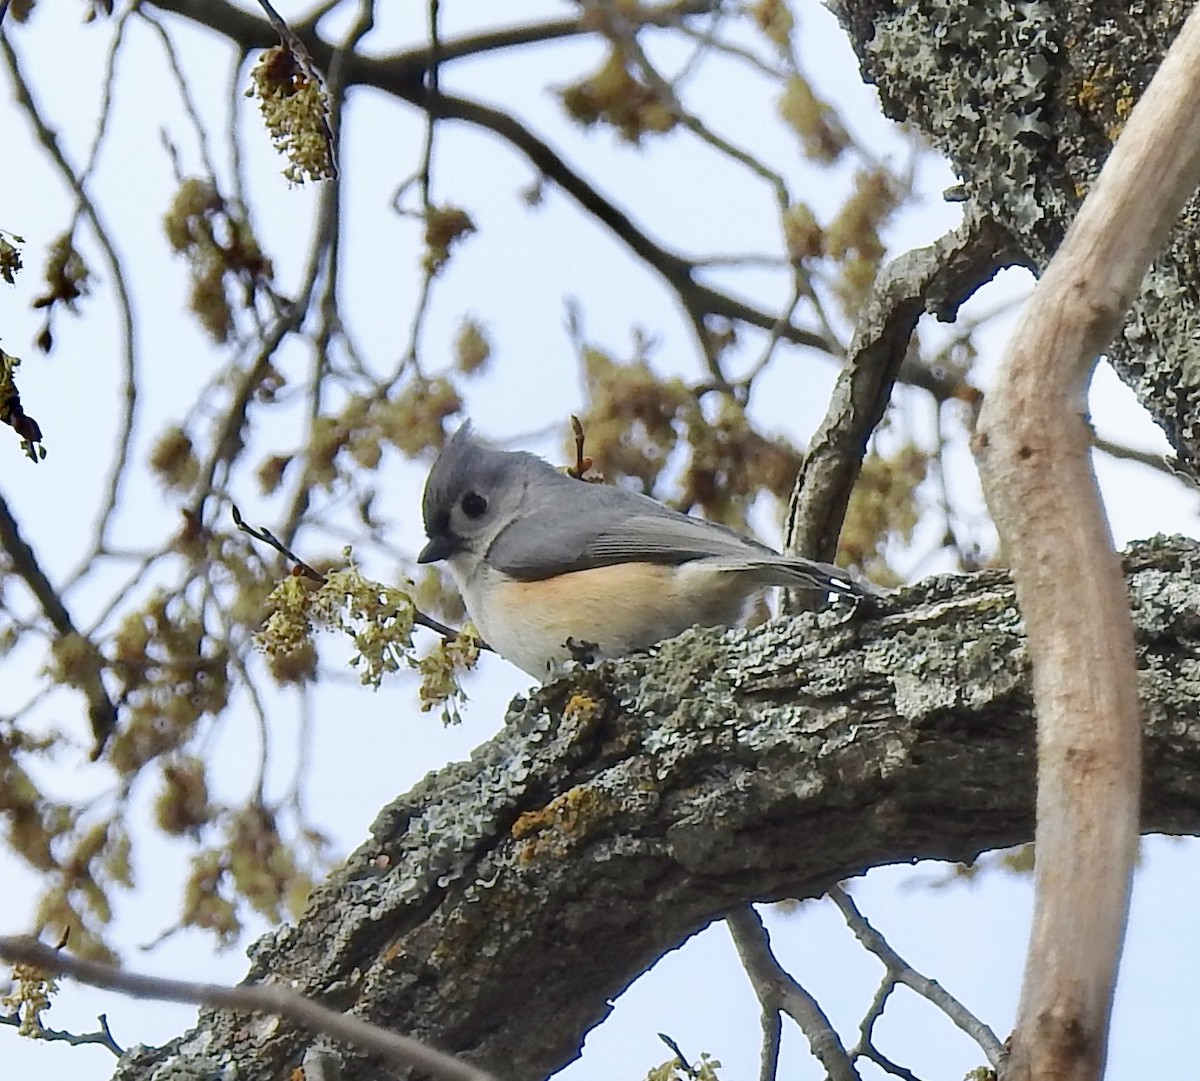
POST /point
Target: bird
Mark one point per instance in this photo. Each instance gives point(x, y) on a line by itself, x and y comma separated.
point(552, 568)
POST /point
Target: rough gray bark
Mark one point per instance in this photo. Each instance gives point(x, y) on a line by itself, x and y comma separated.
point(501, 904)
point(1025, 100)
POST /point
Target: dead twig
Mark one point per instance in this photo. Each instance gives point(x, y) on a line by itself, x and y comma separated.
point(102, 1036)
point(778, 992)
point(900, 971)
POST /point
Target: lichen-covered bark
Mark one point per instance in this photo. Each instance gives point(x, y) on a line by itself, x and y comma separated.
point(1026, 99)
point(499, 905)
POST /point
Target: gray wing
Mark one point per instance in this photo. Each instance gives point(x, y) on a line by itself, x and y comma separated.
point(568, 525)
point(575, 526)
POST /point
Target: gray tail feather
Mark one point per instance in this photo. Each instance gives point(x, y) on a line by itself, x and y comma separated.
point(809, 574)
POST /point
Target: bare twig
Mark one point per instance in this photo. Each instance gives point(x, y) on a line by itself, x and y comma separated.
point(260, 998)
point(1149, 458)
point(1033, 445)
point(290, 39)
point(881, 1060)
point(186, 98)
point(582, 462)
point(622, 31)
point(684, 1065)
point(267, 537)
point(122, 440)
point(778, 991)
point(103, 1035)
point(662, 15)
point(900, 971)
point(424, 178)
point(23, 562)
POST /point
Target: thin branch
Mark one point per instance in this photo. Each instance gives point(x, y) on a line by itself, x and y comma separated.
point(800, 288)
point(902, 972)
point(326, 248)
point(883, 1062)
point(708, 39)
point(108, 81)
point(582, 462)
point(404, 77)
point(261, 998)
point(866, 1027)
point(185, 91)
point(102, 1036)
point(425, 181)
point(661, 16)
point(698, 300)
point(49, 141)
point(623, 33)
point(1033, 445)
point(778, 991)
point(314, 575)
point(24, 563)
point(291, 40)
point(1151, 459)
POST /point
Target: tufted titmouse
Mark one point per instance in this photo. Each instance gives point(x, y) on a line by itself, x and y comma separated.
point(541, 557)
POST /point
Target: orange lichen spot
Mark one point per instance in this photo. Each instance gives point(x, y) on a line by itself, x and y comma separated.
point(583, 713)
point(1122, 107)
point(563, 822)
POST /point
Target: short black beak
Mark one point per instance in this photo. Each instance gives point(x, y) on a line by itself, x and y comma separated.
point(439, 548)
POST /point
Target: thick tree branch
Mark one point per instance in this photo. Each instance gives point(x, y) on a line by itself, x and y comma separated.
point(1034, 449)
point(622, 810)
point(935, 279)
point(1068, 94)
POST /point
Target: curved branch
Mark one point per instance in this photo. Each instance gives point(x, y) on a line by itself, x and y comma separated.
point(900, 971)
point(102, 1036)
point(1034, 443)
point(509, 37)
point(937, 279)
point(503, 903)
point(779, 992)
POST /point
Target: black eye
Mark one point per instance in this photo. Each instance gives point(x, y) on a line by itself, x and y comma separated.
point(473, 505)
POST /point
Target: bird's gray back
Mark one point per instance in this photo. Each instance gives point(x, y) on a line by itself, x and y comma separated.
point(568, 525)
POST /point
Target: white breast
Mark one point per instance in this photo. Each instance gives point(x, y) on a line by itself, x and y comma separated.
point(617, 609)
